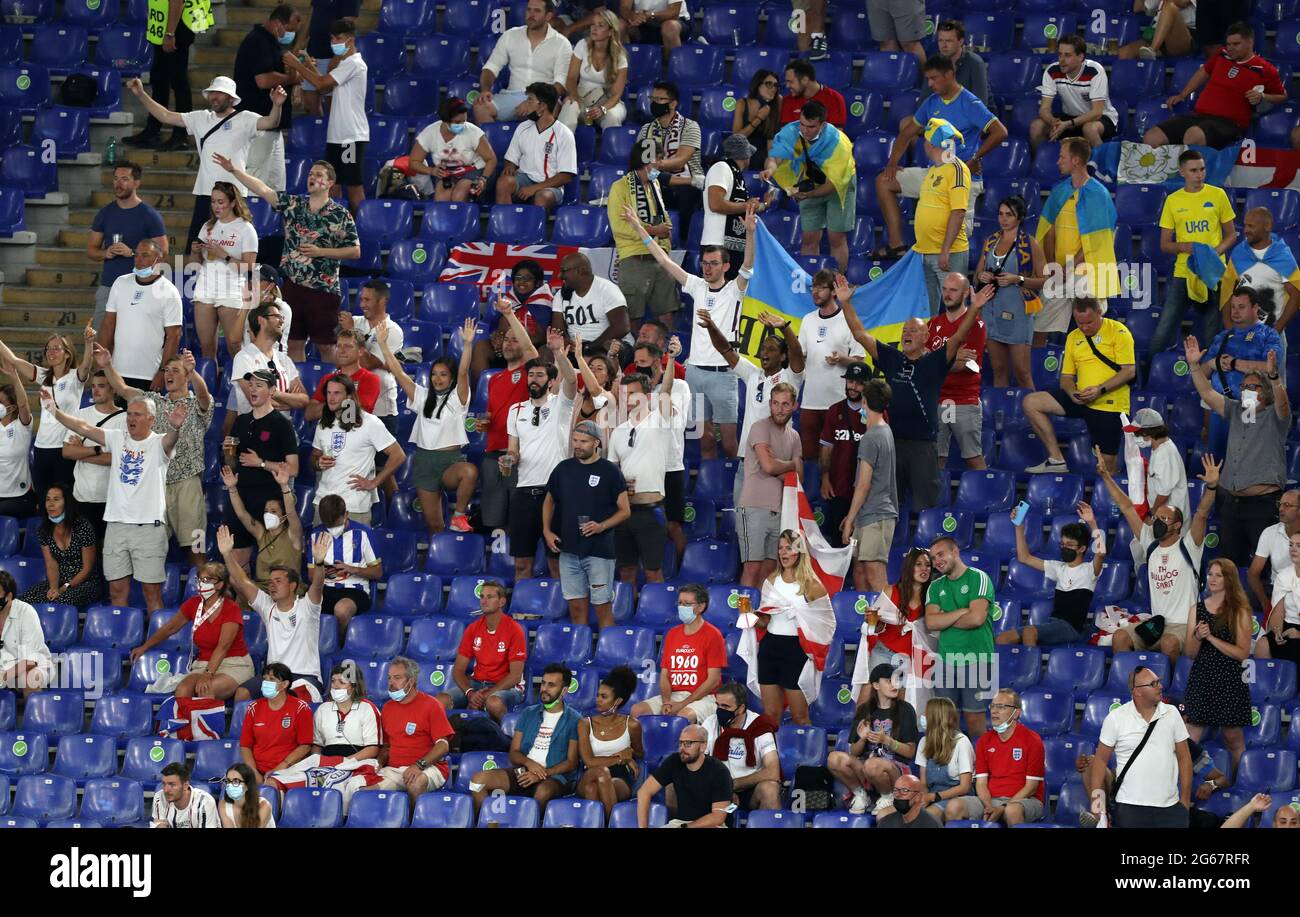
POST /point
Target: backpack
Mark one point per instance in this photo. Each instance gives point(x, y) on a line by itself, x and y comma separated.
point(79, 91)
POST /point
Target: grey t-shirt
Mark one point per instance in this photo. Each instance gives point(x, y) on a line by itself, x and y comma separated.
point(1256, 451)
point(876, 448)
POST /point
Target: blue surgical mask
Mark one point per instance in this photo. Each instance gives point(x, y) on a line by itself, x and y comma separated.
point(235, 791)
point(339, 48)
point(288, 37)
point(59, 518)
point(652, 175)
point(921, 722)
point(457, 128)
point(398, 695)
point(685, 614)
point(144, 273)
point(1003, 727)
point(269, 689)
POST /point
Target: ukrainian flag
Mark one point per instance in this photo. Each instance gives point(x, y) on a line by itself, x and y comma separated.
point(781, 286)
point(1240, 259)
point(832, 152)
point(1096, 215)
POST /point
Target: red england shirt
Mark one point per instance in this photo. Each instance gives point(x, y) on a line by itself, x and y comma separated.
point(506, 389)
point(368, 388)
point(412, 727)
point(272, 734)
point(1008, 765)
point(492, 652)
point(1225, 94)
point(688, 657)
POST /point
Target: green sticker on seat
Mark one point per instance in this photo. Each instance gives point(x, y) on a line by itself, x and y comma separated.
point(819, 516)
point(875, 272)
point(471, 96)
point(1050, 30)
point(1115, 706)
point(92, 4)
point(857, 109)
point(489, 765)
point(929, 26)
point(1180, 368)
point(1254, 716)
point(19, 748)
point(23, 82)
point(689, 513)
point(162, 666)
point(729, 103)
point(996, 613)
point(949, 524)
point(573, 686)
point(733, 600)
point(1212, 540)
point(437, 678)
point(1051, 363)
point(478, 590)
point(845, 696)
point(860, 606)
point(156, 754)
point(470, 423)
point(419, 256)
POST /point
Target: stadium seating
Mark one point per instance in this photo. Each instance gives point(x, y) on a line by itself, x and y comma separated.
point(312, 808)
point(378, 809)
point(443, 810)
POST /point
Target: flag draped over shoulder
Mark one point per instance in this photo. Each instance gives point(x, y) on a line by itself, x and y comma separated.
point(781, 286)
point(1242, 258)
point(1095, 213)
point(1206, 266)
point(816, 619)
point(831, 152)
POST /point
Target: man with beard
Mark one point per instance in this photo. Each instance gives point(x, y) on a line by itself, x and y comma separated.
point(701, 783)
point(539, 436)
point(771, 452)
point(828, 346)
point(841, 432)
point(590, 497)
point(1267, 265)
point(959, 396)
point(915, 376)
point(588, 305)
point(957, 606)
point(124, 223)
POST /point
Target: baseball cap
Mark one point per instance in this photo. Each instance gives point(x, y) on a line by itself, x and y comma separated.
point(269, 376)
point(858, 372)
point(1145, 419)
point(882, 671)
point(587, 428)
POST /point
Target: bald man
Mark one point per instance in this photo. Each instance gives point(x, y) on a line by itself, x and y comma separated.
point(1266, 264)
point(144, 313)
point(909, 806)
point(701, 784)
point(959, 396)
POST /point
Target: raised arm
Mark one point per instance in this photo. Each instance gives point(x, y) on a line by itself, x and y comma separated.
point(159, 112)
point(394, 365)
point(320, 549)
point(556, 343)
point(75, 424)
point(244, 587)
point(1281, 400)
point(977, 303)
point(228, 480)
point(1211, 478)
point(1117, 494)
point(665, 260)
point(271, 120)
point(521, 334)
point(202, 397)
point(467, 333)
point(844, 296)
point(254, 185)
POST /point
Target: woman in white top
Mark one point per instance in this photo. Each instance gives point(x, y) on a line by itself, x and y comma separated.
point(945, 757)
point(243, 806)
point(1281, 637)
point(226, 249)
point(1174, 22)
point(781, 658)
point(24, 658)
point(65, 380)
point(344, 448)
point(16, 496)
point(600, 376)
point(609, 742)
point(462, 159)
point(597, 77)
point(439, 433)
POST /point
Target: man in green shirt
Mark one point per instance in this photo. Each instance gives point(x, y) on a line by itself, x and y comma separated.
point(957, 608)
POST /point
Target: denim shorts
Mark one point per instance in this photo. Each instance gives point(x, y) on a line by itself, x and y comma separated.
point(719, 391)
point(1055, 631)
point(587, 578)
point(512, 697)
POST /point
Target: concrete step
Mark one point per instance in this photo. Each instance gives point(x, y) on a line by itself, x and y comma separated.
point(61, 297)
point(63, 256)
point(86, 278)
point(66, 319)
point(175, 200)
point(175, 219)
point(158, 179)
point(153, 160)
point(28, 341)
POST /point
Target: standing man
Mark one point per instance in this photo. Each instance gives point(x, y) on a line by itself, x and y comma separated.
point(315, 40)
point(677, 139)
point(828, 346)
point(1274, 547)
point(123, 224)
point(1266, 264)
point(498, 647)
point(347, 356)
point(319, 233)
point(218, 131)
point(506, 389)
point(959, 396)
point(802, 86)
point(726, 202)
point(647, 288)
point(771, 452)
point(135, 542)
point(591, 498)
point(143, 313)
point(373, 300)
point(701, 784)
point(652, 362)
point(266, 326)
point(416, 734)
point(841, 432)
point(872, 513)
point(1084, 91)
point(1153, 788)
point(187, 514)
point(690, 669)
point(535, 53)
point(259, 68)
point(542, 159)
point(898, 25)
point(348, 130)
point(957, 606)
point(1195, 213)
point(539, 437)
point(90, 476)
point(971, 70)
point(171, 27)
point(180, 804)
point(1243, 347)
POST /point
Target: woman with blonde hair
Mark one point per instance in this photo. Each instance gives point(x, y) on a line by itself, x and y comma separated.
point(1219, 643)
point(226, 249)
point(597, 76)
point(794, 608)
point(65, 380)
point(945, 756)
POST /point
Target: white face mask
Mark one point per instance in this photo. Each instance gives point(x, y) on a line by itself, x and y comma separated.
point(1143, 442)
point(336, 531)
point(339, 695)
point(207, 589)
point(1250, 399)
point(270, 521)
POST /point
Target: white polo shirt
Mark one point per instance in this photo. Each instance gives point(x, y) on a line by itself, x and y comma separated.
point(547, 63)
point(543, 445)
point(348, 122)
point(1153, 778)
point(1275, 544)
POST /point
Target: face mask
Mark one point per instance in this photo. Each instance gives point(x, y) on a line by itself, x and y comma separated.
point(552, 705)
point(921, 722)
point(339, 695)
point(206, 590)
point(235, 791)
point(612, 711)
point(685, 614)
point(339, 48)
point(1143, 442)
point(1160, 529)
point(1249, 399)
point(269, 690)
point(399, 694)
point(725, 717)
point(534, 116)
point(59, 518)
point(1003, 727)
point(458, 128)
point(658, 109)
point(144, 273)
point(1069, 554)
point(336, 531)
point(652, 175)
point(288, 37)
point(902, 804)
point(270, 520)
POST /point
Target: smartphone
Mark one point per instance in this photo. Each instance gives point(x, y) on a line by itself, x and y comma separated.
point(1020, 512)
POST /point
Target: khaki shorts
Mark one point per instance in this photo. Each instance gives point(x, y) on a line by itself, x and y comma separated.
point(874, 540)
point(240, 668)
point(1054, 316)
point(647, 287)
point(390, 778)
point(187, 513)
point(966, 421)
point(970, 807)
point(138, 551)
point(703, 708)
point(1177, 631)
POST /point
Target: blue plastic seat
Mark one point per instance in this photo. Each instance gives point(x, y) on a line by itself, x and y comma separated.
point(937, 521)
point(441, 56)
point(574, 813)
point(212, 759)
point(587, 227)
point(630, 646)
point(448, 304)
point(1266, 770)
point(833, 709)
point(1073, 800)
point(385, 221)
point(709, 561)
point(455, 553)
point(409, 97)
point(406, 18)
point(462, 597)
point(416, 260)
point(1275, 681)
point(23, 752)
point(1055, 493)
point(385, 55)
point(700, 519)
point(799, 746)
point(26, 167)
point(45, 797)
point(730, 24)
point(889, 71)
point(265, 220)
point(113, 802)
point(871, 151)
point(716, 480)
point(378, 809)
point(312, 808)
point(517, 224)
point(469, 17)
point(306, 136)
point(444, 810)
point(775, 818)
point(124, 48)
point(1040, 27)
point(616, 144)
point(1026, 583)
point(1081, 669)
point(13, 210)
point(499, 134)
point(1122, 664)
point(1048, 712)
point(697, 65)
point(395, 550)
point(67, 128)
point(983, 493)
point(1266, 726)
point(602, 179)
point(55, 713)
point(657, 605)
point(1000, 534)
point(8, 710)
point(147, 756)
point(540, 596)
point(509, 812)
point(1134, 80)
point(561, 642)
point(122, 716)
point(16, 821)
point(1282, 203)
point(450, 222)
point(1061, 755)
point(374, 636)
point(59, 47)
point(1019, 666)
point(1139, 203)
point(583, 685)
point(624, 815)
point(472, 762)
point(435, 638)
point(113, 627)
point(659, 735)
point(413, 594)
point(83, 757)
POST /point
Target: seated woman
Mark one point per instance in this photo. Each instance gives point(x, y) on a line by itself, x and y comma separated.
point(243, 806)
point(16, 496)
point(224, 662)
point(609, 743)
point(24, 658)
point(597, 76)
point(451, 159)
point(68, 546)
point(884, 734)
point(277, 731)
point(350, 564)
point(345, 746)
point(945, 756)
point(278, 532)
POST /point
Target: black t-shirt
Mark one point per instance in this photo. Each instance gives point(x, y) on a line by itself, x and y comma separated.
point(914, 408)
point(894, 820)
point(697, 791)
point(260, 52)
point(898, 722)
point(585, 490)
point(323, 14)
point(271, 437)
point(1072, 607)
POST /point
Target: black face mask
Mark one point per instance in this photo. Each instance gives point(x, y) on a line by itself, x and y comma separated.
point(725, 717)
point(659, 109)
point(902, 805)
point(1068, 555)
point(1160, 529)
point(534, 116)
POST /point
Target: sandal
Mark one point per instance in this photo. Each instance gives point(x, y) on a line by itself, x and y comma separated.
point(889, 253)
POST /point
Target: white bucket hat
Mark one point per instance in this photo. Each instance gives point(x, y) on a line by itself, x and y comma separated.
point(223, 84)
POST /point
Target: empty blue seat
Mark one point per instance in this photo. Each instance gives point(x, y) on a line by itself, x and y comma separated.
point(86, 756)
point(1134, 80)
point(453, 553)
point(147, 756)
point(122, 716)
point(624, 815)
point(265, 220)
point(697, 65)
point(416, 260)
point(374, 636)
point(1282, 203)
point(55, 713)
point(716, 480)
point(731, 24)
point(113, 627)
point(1000, 534)
point(1019, 666)
point(834, 706)
point(45, 797)
point(443, 810)
point(23, 752)
point(441, 56)
point(26, 167)
point(659, 735)
point(212, 759)
point(16, 821)
point(1055, 493)
point(1081, 669)
point(1026, 583)
point(1061, 755)
point(450, 222)
point(700, 519)
point(469, 17)
point(384, 55)
point(538, 597)
point(889, 71)
point(1122, 664)
point(775, 818)
point(583, 685)
point(409, 97)
point(59, 47)
point(1266, 770)
point(396, 550)
point(937, 521)
point(312, 808)
point(517, 224)
point(1139, 204)
point(67, 128)
point(435, 638)
point(1275, 681)
point(1265, 729)
point(799, 746)
point(113, 802)
point(1042, 27)
point(509, 812)
point(1048, 712)
point(574, 813)
point(448, 304)
point(1073, 800)
point(406, 18)
point(587, 227)
point(378, 809)
point(125, 49)
point(710, 561)
point(413, 594)
point(13, 211)
point(561, 642)
point(629, 646)
point(657, 605)
point(983, 493)
point(306, 136)
point(385, 221)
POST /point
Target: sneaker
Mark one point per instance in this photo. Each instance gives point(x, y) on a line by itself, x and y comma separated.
point(1147, 53)
point(460, 523)
point(859, 804)
point(883, 804)
point(146, 138)
point(1050, 466)
point(1087, 820)
point(819, 49)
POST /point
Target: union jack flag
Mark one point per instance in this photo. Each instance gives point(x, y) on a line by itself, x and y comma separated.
point(484, 263)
